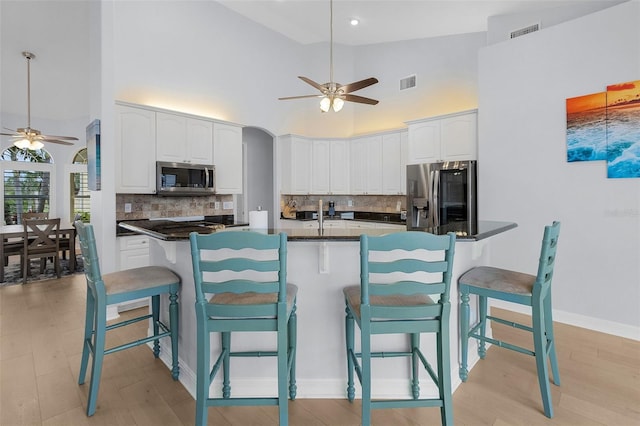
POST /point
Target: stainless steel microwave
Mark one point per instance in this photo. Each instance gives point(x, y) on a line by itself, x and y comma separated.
point(185, 179)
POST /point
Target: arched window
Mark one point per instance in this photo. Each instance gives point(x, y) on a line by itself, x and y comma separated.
point(27, 177)
point(79, 189)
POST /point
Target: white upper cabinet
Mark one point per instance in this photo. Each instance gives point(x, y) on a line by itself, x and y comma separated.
point(451, 137)
point(366, 165)
point(227, 158)
point(330, 166)
point(404, 155)
point(392, 164)
point(296, 159)
point(339, 167)
point(182, 139)
point(320, 167)
point(135, 150)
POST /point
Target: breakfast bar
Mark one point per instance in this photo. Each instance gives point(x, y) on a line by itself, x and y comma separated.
point(320, 264)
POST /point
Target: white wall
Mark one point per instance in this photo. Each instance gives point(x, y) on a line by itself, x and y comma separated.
point(524, 175)
point(446, 70)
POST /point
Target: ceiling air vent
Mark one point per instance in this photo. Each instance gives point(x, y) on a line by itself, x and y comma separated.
point(408, 82)
point(526, 30)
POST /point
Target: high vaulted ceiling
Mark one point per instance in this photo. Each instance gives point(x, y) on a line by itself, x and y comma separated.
point(307, 21)
point(57, 31)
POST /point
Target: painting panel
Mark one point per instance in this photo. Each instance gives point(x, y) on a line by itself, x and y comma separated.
point(586, 127)
point(623, 130)
point(93, 156)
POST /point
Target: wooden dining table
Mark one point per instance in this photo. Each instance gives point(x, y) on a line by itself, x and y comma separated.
point(16, 232)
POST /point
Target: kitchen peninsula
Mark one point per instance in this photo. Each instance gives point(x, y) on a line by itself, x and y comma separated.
point(320, 264)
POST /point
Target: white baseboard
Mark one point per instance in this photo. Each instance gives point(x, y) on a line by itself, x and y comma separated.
point(583, 321)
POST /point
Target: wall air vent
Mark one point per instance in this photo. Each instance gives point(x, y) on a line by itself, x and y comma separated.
point(526, 30)
point(408, 82)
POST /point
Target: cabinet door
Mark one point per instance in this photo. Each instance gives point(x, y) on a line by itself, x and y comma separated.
point(320, 167)
point(339, 167)
point(301, 152)
point(227, 157)
point(391, 164)
point(135, 150)
point(361, 225)
point(134, 252)
point(183, 140)
point(404, 155)
point(200, 141)
point(171, 138)
point(358, 162)
point(374, 165)
point(424, 142)
point(458, 137)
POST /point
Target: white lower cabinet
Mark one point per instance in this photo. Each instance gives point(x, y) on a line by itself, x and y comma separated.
point(133, 252)
point(390, 226)
point(361, 225)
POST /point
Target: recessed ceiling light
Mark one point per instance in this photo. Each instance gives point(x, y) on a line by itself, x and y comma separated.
point(354, 21)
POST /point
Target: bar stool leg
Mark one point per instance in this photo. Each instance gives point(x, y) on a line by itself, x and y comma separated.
point(174, 324)
point(464, 333)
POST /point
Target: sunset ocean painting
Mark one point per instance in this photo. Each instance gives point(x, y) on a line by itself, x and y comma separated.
point(586, 127)
point(623, 130)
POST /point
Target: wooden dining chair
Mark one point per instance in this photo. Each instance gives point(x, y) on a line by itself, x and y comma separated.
point(524, 289)
point(41, 240)
point(245, 272)
point(404, 289)
point(116, 288)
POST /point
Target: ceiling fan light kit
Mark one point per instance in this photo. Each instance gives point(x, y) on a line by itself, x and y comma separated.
point(333, 95)
point(27, 137)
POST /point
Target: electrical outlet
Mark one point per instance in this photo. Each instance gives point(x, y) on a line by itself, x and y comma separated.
point(216, 205)
point(127, 207)
point(350, 203)
point(398, 205)
point(227, 205)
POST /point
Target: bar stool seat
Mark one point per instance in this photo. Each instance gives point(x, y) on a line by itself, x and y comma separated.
point(118, 287)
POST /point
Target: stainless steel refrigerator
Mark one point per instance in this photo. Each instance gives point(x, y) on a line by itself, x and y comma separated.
point(441, 194)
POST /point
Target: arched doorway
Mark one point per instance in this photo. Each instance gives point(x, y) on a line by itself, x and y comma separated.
point(258, 157)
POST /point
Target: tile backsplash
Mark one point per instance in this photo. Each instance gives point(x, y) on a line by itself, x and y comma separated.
point(358, 203)
point(147, 206)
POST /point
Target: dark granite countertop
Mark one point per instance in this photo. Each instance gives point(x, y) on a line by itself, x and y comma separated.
point(172, 231)
point(394, 218)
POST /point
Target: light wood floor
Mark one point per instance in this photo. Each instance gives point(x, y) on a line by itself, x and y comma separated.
point(40, 343)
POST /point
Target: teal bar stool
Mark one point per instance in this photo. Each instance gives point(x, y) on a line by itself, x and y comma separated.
point(398, 274)
point(246, 274)
point(119, 287)
point(524, 289)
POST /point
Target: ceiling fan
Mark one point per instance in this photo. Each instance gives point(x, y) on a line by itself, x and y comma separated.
point(28, 137)
point(334, 94)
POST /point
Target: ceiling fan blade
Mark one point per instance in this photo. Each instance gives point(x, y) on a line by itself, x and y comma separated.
point(10, 134)
point(49, 139)
point(11, 130)
point(360, 99)
point(320, 87)
point(64, 138)
point(352, 87)
point(300, 97)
